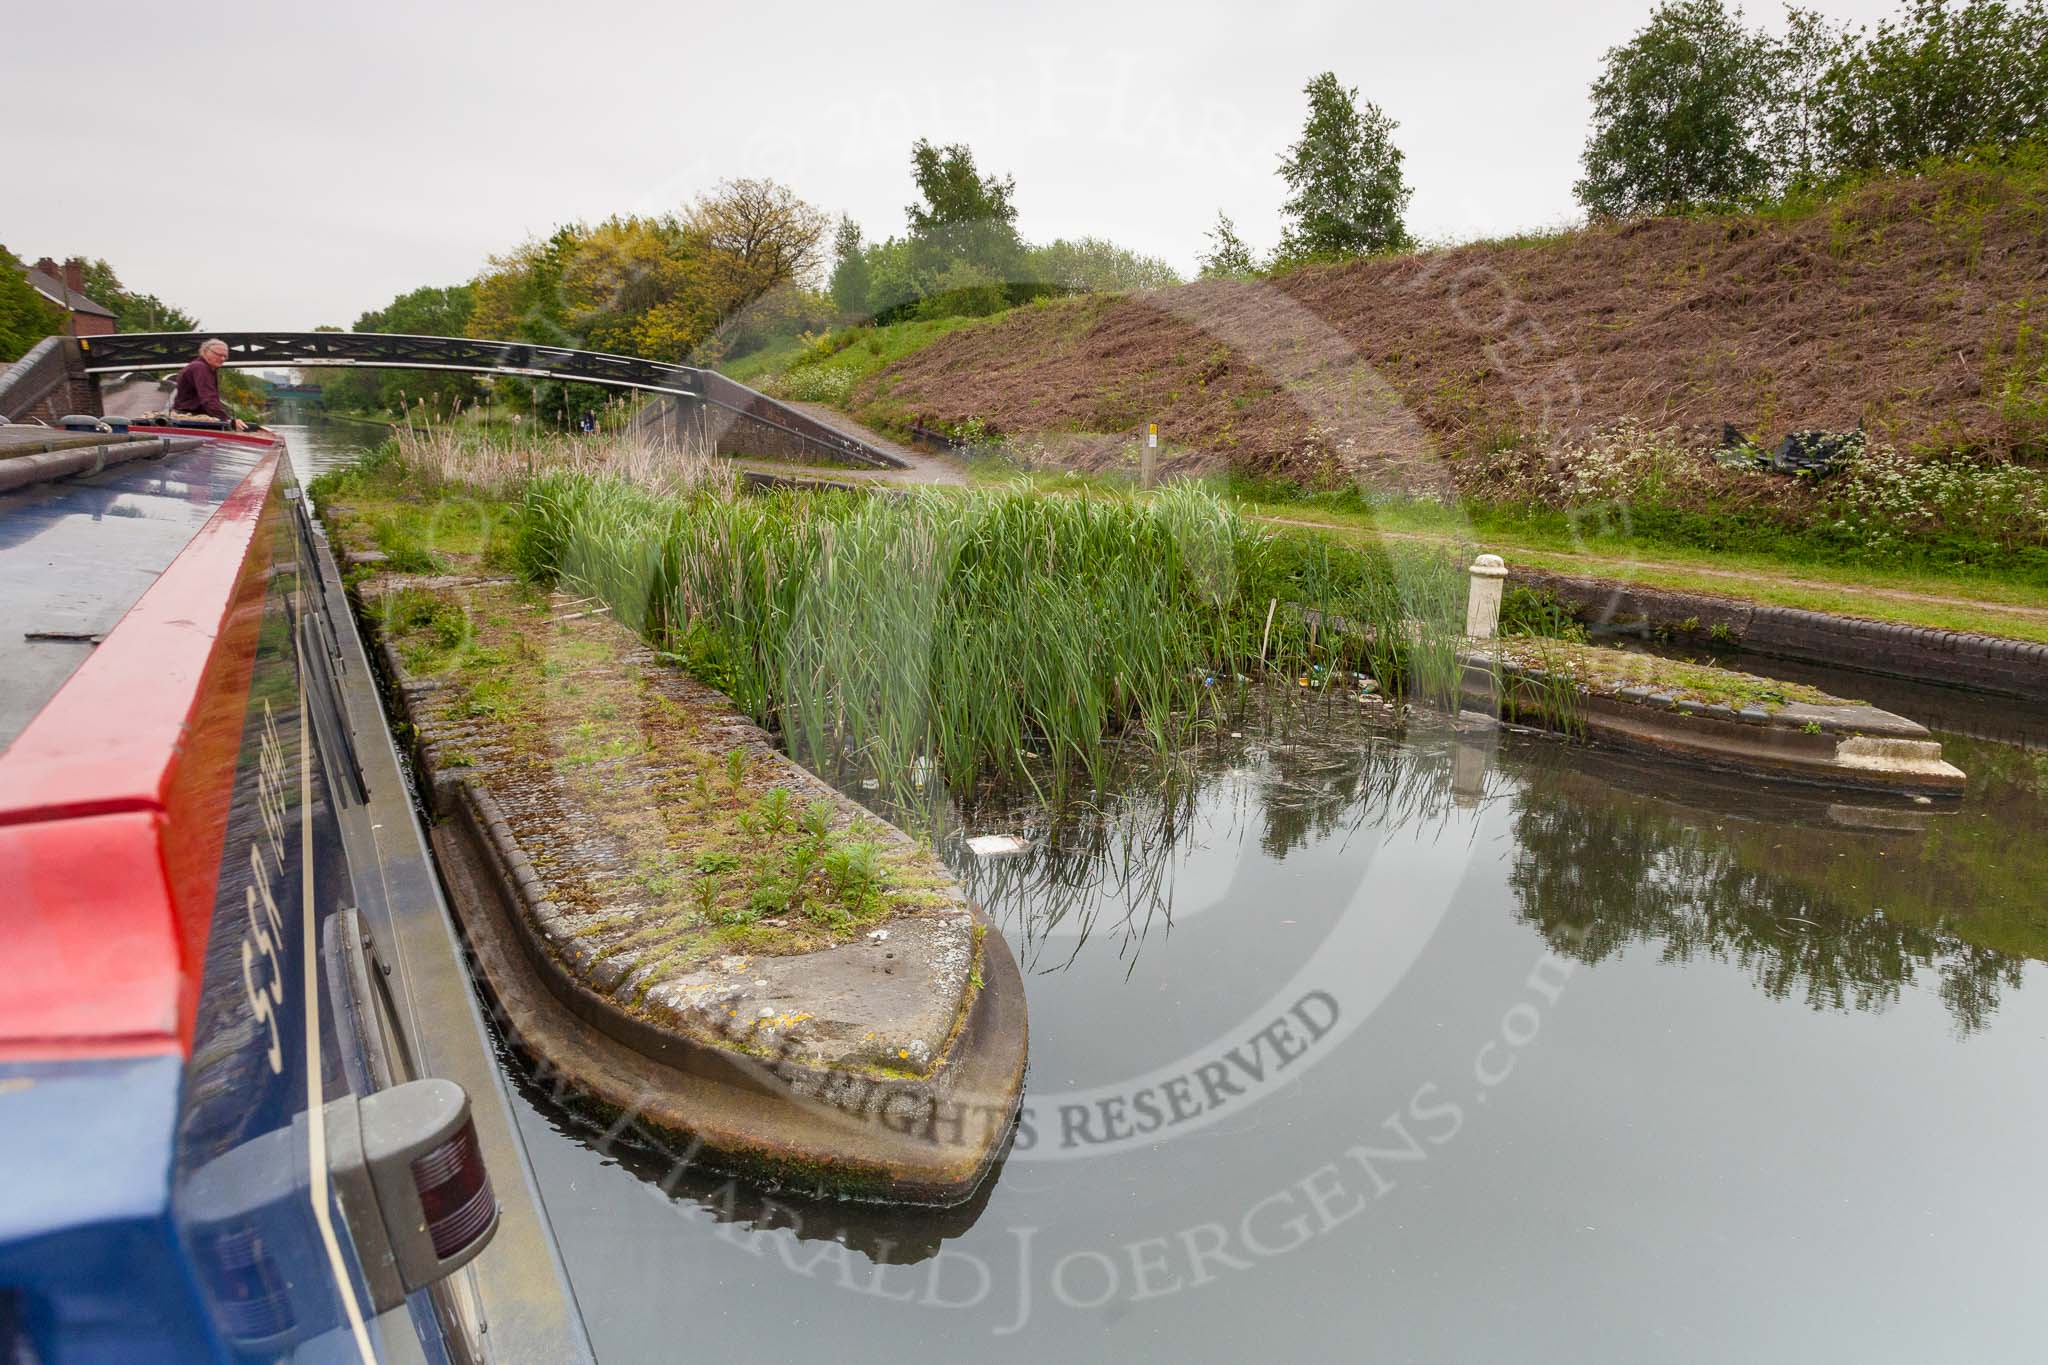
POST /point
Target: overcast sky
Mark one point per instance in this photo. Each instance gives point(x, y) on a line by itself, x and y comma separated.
point(289, 165)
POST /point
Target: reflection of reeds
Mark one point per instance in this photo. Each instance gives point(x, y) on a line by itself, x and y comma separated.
point(964, 631)
point(1105, 866)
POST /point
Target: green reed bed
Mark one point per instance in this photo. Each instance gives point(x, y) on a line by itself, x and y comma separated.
point(967, 632)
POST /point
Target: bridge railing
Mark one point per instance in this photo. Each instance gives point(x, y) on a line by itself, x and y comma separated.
point(695, 389)
point(383, 350)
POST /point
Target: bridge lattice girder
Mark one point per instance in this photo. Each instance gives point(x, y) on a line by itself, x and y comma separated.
point(380, 350)
point(700, 388)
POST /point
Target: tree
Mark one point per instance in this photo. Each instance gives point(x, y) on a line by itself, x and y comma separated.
point(244, 395)
point(1228, 256)
point(624, 288)
point(1943, 80)
point(757, 235)
point(1677, 114)
point(749, 249)
point(850, 274)
point(1090, 265)
point(966, 219)
point(133, 312)
point(671, 287)
point(26, 317)
point(1347, 194)
point(519, 294)
point(892, 283)
point(1794, 128)
point(431, 310)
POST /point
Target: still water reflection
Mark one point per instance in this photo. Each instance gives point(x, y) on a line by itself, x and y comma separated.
point(1375, 1043)
point(317, 447)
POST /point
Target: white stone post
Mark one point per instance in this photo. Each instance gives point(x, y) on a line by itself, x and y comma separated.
point(1482, 607)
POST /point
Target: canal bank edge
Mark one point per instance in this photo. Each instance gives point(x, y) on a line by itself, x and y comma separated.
point(1944, 658)
point(844, 1122)
point(847, 1137)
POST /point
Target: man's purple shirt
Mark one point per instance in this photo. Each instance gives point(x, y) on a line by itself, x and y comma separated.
point(198, 391)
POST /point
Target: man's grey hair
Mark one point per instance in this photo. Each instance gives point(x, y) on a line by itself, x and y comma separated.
point(210, 343)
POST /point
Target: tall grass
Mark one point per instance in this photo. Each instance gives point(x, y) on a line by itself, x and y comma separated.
point(967, 633)
point(449, 455)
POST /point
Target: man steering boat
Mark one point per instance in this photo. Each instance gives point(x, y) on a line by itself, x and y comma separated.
point(198, 390)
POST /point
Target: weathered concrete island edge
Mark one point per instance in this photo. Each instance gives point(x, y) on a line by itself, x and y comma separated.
point(799, 1071)
point(1848, 746)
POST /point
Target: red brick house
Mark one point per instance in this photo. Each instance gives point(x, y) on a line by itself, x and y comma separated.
point(65, 286)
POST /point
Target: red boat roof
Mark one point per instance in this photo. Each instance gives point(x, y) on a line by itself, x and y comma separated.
point(114, 800)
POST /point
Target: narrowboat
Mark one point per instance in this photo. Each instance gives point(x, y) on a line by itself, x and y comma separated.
point(249, 1106)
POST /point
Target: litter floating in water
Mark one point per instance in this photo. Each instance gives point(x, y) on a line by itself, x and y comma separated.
point(997, 845)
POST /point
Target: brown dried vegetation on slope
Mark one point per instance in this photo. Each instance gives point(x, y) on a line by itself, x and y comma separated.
point(1914, 309)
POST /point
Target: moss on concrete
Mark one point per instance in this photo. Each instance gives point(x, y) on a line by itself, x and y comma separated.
point(668, 834)
point(1606, 672)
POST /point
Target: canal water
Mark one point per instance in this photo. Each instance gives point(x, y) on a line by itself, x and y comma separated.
point(1376, 1039)
point(1373, 1043)
point(317, 447)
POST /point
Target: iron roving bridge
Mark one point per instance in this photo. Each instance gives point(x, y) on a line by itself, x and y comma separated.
point(695, 390)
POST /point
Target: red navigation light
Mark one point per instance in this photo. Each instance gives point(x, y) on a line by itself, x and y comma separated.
point(455, 1192)
point(415, 1173)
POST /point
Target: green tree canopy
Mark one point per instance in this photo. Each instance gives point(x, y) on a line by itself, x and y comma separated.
point(1793, 132)
point(1677, 115)
point(26, 317)
point(1084, 265)
point(431, 310)
point(1227, 256)
point(133, 312)
point(1943, 80)
point(966, 223)
point(1347, 195)
point(850, 273)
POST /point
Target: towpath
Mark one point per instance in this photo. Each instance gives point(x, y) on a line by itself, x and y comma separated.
point(1765, 586)
point(1768, 588)
point(923, 468)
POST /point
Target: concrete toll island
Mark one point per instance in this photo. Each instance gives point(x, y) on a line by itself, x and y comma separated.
point(1693, 712)
point(676, 920)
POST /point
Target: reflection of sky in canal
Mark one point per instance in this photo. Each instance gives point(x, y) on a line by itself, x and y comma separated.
point(1512, 1051)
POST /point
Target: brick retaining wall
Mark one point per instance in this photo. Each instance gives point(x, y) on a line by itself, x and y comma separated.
point(48, 383)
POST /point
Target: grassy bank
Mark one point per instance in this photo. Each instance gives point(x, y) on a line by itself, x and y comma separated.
point(828, 368)
point(1982, 601)
point(1566, 394)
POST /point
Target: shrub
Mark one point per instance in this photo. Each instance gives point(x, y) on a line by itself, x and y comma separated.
point(1884, 501)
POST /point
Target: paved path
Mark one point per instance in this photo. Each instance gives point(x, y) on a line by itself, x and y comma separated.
point(133, 397)
point(923, 467)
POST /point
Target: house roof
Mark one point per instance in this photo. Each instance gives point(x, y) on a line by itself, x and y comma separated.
point(57, 292)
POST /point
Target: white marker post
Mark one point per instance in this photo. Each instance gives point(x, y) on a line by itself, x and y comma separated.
point(1482, 606)
point(1148, 462)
